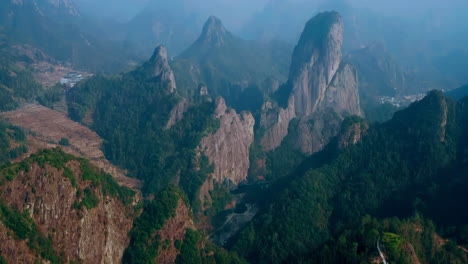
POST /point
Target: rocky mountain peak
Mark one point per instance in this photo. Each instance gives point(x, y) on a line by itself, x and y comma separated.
point(214, 32)
point(158, 67)
point(323, 89)
point(316, 59)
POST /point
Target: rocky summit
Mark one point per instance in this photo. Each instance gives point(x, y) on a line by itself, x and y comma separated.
point(320, 83)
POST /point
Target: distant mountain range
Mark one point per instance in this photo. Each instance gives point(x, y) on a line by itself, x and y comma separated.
point(242, 71)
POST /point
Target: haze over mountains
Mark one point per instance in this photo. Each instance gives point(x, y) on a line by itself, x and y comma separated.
point(280, 131)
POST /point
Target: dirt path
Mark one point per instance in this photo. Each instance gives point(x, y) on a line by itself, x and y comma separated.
point(47, 127)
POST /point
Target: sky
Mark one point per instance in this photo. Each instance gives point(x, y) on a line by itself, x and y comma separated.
point(234, 13)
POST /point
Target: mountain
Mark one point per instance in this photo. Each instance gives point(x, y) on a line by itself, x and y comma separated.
point(53, 27)
point(439, 34)
point(203, 147)
point(458, 93)
point(68, 200)
point(380, 74)
point(162, 22)
point(321, 88)
point(316, 64)
point(68, 210)
point(401, 168)
point(54, 8)
point(241, 71)
point(80, 196)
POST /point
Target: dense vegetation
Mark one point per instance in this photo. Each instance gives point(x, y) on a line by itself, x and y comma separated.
point(58, 159)
point(51, 95)
point(144, 244)
point(241, 71)
point(10, 134)
point(145, 241)
point(17, 83)
point(195, 249)
point(130, 112)
point(396, 170)
point(405, 241)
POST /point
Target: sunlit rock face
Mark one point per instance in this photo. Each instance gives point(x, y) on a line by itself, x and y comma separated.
point(322, 88)
point(227, 149)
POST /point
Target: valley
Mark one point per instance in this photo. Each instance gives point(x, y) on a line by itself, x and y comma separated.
point(174, 132)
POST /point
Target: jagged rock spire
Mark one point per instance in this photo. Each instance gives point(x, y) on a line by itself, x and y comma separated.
point(214, 32)
point(159, 67)
point(316, 60)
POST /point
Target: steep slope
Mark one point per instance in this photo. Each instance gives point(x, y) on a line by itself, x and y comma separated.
point(398, 168)
point(227, 151)
point(64, 209)
point(49, 129)
point(158, 67)
point(236, 69)
point(53, 28)
point(164, 233)
point(321, 88)
point(228, 148)
point(151, 130)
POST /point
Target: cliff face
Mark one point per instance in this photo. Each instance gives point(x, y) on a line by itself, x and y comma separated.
point(277, 123)
point(323, 89)
point(58, 208)
point(228, 148)
point(315, 61)
point(342, 94)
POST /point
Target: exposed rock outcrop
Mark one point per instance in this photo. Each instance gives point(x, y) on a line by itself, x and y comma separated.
point(315, 131)
point(228, 148)
point(95, 235)
point(351, 134)
point(14, 250)
point(315, 61)
point(174, 229)
point(177, 113)
point(158, 67)
point(342, 94)
point(276, 120)
point(323, 89)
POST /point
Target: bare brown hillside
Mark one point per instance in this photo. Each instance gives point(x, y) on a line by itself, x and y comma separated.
point(47, 127)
